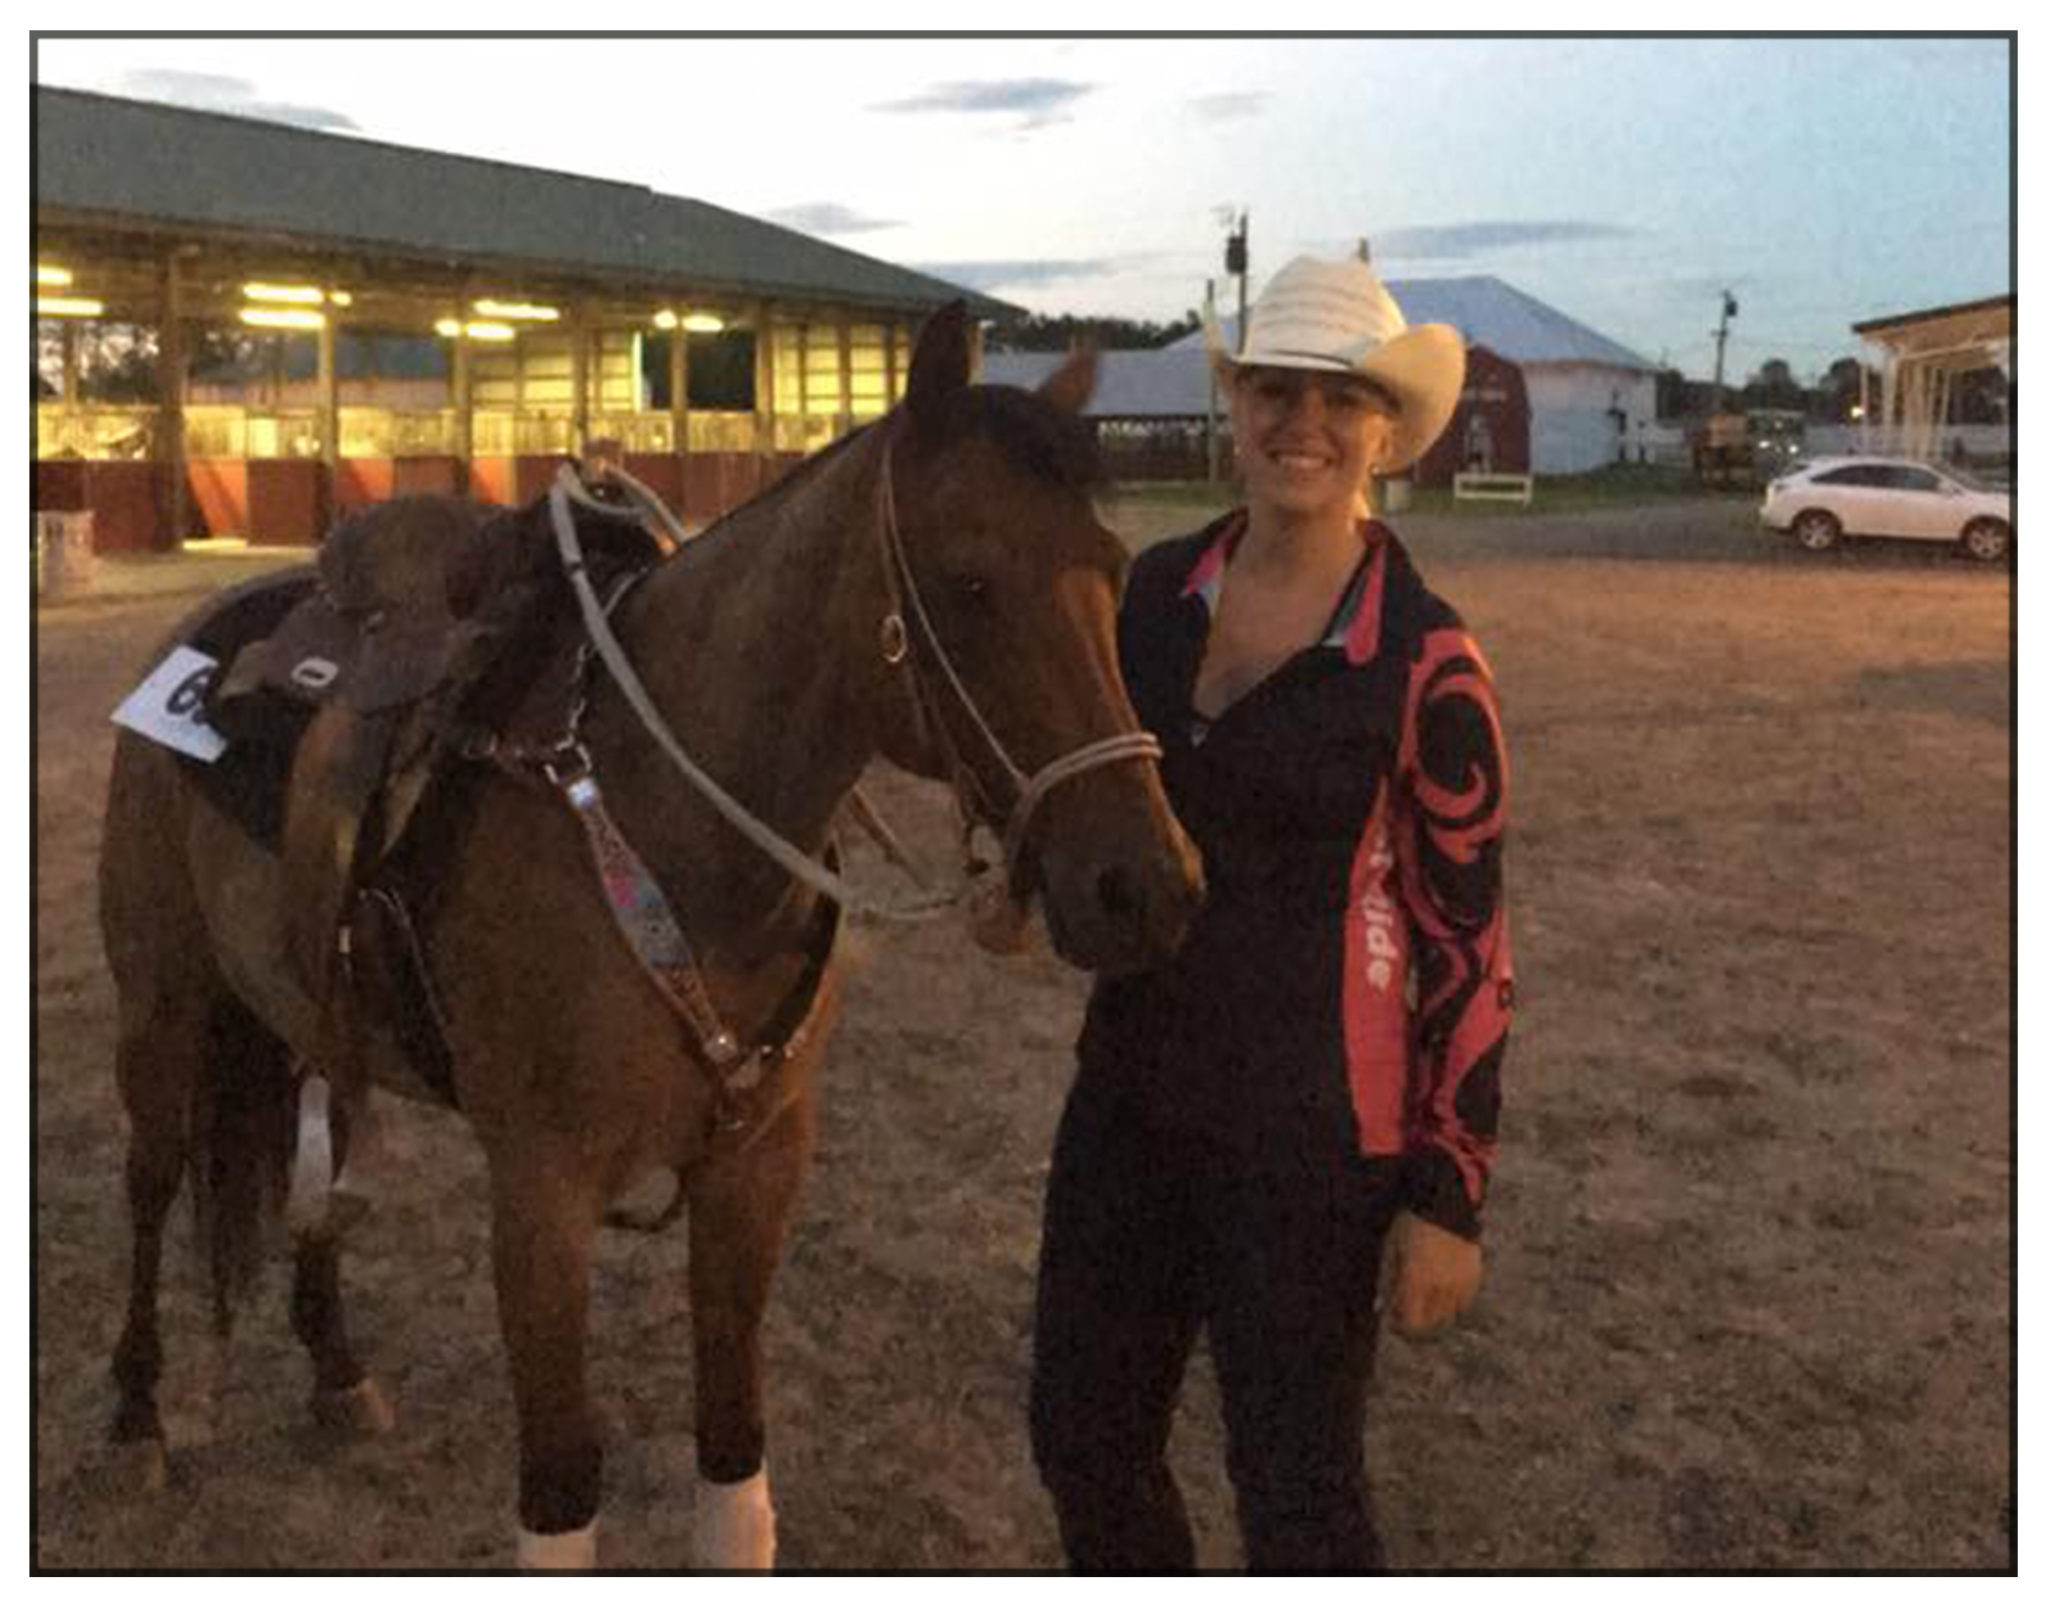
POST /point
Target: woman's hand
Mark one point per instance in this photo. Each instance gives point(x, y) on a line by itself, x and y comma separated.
point(1431, 1275)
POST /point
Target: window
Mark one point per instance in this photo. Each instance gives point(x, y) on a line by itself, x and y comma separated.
point(722, 371)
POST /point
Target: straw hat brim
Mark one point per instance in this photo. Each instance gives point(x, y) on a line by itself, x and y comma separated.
point(1423, 368)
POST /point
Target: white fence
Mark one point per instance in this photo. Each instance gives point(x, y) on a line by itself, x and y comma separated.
point(1963, 444)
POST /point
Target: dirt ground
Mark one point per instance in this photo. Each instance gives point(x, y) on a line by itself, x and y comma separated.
point(1750, 1257)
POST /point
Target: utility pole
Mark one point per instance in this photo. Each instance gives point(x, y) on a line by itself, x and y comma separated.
point(1237, 259)
point(1211, 444)
point(1728, 311)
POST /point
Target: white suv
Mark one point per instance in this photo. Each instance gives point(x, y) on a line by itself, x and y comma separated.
point(1831, 498)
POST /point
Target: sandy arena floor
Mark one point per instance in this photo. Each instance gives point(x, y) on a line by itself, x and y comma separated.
point(1749, 1293)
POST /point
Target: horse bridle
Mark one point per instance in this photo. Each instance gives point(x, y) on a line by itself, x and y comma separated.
point(1026, 791)
point(899, 649)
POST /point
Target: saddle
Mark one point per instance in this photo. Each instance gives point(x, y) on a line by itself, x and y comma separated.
point(429, 615)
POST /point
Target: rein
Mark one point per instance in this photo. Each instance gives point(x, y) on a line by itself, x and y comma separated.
point(1027, 791)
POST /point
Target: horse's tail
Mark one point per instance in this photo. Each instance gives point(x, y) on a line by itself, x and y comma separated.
point(241, 1134)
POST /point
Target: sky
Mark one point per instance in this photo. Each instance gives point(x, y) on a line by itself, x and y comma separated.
point(1627, 182)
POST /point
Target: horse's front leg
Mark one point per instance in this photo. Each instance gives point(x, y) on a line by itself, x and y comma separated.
point(544, 1214)
point(740, 1205)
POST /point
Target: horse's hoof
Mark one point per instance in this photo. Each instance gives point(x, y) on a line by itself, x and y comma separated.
point(142, 1468)
point(361, 1409)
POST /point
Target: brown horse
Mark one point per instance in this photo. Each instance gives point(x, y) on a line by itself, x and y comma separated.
point(773, 648)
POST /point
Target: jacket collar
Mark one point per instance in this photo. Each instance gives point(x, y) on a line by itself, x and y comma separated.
point(1354, 625)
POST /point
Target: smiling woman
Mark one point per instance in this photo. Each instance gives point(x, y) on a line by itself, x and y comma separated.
point(1258, 1121)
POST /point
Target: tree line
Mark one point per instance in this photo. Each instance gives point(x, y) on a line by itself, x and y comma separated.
point(1980, 397)
point(1061, 332)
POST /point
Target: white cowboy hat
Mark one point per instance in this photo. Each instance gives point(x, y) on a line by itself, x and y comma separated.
point(1338, 318)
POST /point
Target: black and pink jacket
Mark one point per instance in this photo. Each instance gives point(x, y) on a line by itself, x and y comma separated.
point(1348, 982)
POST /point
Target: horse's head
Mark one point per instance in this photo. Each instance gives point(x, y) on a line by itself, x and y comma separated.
point(994, 497)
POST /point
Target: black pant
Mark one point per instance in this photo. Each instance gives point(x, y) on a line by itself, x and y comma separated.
point(1149, 1237)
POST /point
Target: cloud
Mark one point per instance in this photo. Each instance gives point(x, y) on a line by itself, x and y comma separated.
point(828, 218)
point(1222, 108)
point(1039, 101)
point(988, 276)
point(1475, 239)
point(217, 92)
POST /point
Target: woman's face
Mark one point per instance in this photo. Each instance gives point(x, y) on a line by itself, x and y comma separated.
point(1307, 442)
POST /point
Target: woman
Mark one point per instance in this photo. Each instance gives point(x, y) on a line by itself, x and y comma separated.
point(1314, 1079)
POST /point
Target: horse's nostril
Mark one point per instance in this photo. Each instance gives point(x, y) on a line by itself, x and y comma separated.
point(1118, 895)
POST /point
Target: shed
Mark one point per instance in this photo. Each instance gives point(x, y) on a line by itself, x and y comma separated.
point(1923, 353)
point(1150, 410)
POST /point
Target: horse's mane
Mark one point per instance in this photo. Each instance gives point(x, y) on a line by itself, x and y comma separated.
point(1036, 437)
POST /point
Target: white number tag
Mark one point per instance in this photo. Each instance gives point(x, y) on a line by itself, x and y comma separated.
point(170, 705)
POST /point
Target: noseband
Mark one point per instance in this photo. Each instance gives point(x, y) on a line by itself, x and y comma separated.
point(907, 637)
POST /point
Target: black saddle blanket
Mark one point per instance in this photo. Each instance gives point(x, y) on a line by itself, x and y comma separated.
point(247, 783)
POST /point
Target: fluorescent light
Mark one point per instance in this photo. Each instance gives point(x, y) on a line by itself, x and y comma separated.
point(703, 323)
point(666, 319)
point(476, 330)
point(283, 318)
point(517, 310)
point(307, 294)
point(69, 307)
point(51, 274)
point(341, 298)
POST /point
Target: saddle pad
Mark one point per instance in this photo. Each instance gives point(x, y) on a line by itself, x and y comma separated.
point(247, 782)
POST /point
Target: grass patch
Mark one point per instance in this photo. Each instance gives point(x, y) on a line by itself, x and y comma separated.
point(1616, 486)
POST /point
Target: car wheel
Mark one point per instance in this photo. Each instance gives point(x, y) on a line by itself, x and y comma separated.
point(1986, 540)
point(1817, 530)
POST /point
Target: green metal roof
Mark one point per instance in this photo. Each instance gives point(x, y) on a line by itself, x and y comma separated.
point(166, 167)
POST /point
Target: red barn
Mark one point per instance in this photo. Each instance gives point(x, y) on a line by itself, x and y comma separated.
point(1490, 430)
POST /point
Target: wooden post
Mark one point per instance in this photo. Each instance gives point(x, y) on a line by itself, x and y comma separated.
point(803, 385)
point(843, 425)
point(171, 365)
point(764, 388)
point(580, 335)
point(889, 363)
point(69, 327)
point(459, 388)
point(679, 389)
point(330, 405)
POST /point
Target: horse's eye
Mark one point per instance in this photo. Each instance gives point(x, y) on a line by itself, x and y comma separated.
point(972, 589)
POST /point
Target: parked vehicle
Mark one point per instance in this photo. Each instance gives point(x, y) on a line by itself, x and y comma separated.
point(1831, 498)
point(1746, 449)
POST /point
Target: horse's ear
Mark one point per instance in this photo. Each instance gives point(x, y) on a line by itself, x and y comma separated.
point(1069, 387)
point(940, 363)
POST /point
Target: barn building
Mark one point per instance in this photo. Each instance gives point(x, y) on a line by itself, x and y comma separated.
point(326, 321)
point(1550, 395)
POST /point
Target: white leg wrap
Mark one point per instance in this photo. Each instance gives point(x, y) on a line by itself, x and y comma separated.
point(733, 1526)
point(564, 1550)
point(312, 1160)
